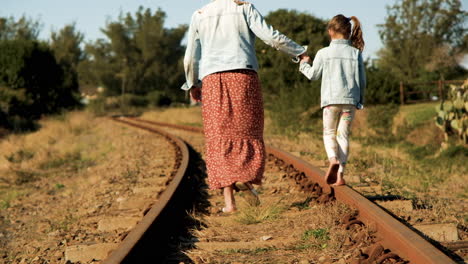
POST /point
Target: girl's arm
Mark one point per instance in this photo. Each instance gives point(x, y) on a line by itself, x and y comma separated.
point(362, 77)
point(314, 71)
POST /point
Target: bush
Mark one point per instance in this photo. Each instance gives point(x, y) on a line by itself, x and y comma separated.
point(134, 100)
point(158, 98)
point(32, 83)
point(380, 118)
point(382, 87)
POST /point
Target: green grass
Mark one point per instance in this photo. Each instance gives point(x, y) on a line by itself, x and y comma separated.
point(418, 114)
point(302, 205)
point(314, 238)
point(319, 234)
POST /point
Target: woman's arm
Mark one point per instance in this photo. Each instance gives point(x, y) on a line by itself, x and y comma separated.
point(314, 71)
point(192, 56)
point(269, 35)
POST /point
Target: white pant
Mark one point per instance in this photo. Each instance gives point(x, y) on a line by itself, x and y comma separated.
point(337, 121)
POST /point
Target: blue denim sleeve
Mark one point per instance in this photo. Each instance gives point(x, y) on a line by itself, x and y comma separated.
point(314, 71)
point(362, 77)
point(269, 35)
point(192, 56)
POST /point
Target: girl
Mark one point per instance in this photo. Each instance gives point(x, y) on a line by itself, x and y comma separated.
point(342, 92)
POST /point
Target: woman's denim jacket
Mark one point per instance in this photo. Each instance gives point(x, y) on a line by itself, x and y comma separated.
point(343, 73)
point(221, 37)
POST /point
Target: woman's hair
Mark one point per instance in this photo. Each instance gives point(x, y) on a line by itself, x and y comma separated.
point(342, 25)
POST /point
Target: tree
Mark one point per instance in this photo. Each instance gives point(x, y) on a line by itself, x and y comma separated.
point(24, 28)
point(422, 36)
point(66, 45)
point(287, 93)
point(381, 87)
point(139, 56)
point(31, 83)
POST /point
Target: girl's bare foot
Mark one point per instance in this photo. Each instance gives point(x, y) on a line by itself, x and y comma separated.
point(339, 180)
point(331, 176)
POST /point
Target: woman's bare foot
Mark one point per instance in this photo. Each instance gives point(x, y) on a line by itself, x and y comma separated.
point(340, 180)
point(331, 176)
point(229, 200)
point(228, 210)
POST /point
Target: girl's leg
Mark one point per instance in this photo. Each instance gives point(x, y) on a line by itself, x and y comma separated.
point(330, 121)
point(342, 135)
point(229, 199)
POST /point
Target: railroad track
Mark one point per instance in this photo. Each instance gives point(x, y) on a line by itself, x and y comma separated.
point(390, 241)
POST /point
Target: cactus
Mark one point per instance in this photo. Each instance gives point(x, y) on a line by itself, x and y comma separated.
point(452, 115)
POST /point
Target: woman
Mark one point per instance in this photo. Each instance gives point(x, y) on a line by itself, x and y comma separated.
point(221, 52)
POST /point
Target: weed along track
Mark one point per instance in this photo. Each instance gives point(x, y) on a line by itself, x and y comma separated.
point(300, 220)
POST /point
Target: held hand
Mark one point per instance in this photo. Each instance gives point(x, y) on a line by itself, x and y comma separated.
point(195, 94)
point(305, 58)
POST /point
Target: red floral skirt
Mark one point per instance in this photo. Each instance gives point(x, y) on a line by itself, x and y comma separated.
point(232, 109)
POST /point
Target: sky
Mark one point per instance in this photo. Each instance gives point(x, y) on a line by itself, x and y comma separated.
point(91, 15)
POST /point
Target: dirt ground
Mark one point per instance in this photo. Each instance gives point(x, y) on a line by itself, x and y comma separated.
point(72, 202)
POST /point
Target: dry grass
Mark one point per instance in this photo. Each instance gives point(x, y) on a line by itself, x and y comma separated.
point(63, 144)
point(257, 214)
point(181, 116)
point(54, 183)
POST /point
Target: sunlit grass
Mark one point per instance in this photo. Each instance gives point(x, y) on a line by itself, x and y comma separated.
point(418, 114)
point(257, 214)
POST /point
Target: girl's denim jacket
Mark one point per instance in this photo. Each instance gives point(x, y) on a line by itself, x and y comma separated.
point(343, 73)
point(221, 37)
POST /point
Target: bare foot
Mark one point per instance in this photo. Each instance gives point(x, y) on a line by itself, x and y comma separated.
point(331, 176)
point(229, 200)
point(339, 180)
point(228, 210)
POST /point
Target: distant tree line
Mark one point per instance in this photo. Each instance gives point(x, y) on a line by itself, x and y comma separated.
point(141, 61)
point(139, 58)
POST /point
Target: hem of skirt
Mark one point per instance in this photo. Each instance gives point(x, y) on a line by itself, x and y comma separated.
point(217, 187)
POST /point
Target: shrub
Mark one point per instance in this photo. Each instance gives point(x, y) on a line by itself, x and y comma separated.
point(453, 114)
point(158, 98)
point(380, 118)
point(32, 83)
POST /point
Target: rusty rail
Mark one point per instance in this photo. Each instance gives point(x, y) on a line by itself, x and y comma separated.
point(125, 248)
point(393, 234)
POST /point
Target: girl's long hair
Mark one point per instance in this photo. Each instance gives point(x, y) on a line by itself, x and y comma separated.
point(342, 25)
